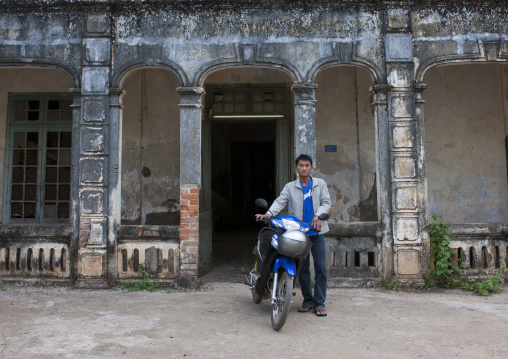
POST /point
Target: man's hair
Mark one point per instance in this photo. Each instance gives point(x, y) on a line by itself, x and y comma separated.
point(303, 157)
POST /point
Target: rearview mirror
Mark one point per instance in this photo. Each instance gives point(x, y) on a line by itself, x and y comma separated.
point(260, 202)
point(323, 216)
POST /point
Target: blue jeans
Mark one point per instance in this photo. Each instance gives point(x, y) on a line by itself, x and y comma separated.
point(317, 301)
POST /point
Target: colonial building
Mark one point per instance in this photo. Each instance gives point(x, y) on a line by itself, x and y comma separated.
point(133, 132)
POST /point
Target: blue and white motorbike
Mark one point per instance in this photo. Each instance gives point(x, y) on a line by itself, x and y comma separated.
point(281, 248)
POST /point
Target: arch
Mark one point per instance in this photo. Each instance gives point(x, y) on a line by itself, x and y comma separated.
point(217, 66)
point(119, 76)
point(72, 72)
point(365, 64)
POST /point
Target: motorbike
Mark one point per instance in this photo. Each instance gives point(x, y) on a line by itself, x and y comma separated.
point(282, 246)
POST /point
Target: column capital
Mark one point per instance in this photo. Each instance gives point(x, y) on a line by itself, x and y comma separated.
point(305, 93)
point(190, 96)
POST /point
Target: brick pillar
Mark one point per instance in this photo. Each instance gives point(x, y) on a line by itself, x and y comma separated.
point(305, 119)
point(190, 182)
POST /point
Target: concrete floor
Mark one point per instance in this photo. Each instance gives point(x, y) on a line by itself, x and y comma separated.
point(232, 252)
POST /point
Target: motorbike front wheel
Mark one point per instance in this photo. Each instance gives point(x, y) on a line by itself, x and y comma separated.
point(280, 308)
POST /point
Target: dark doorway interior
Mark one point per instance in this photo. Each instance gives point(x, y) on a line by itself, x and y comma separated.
point(243, 169)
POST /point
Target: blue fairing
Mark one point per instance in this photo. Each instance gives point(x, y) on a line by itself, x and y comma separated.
point(287, 263)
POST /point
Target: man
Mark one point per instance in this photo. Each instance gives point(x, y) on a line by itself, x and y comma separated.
point(307, 198)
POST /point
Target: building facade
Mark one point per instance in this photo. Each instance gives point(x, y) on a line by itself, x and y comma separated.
point(133, 130)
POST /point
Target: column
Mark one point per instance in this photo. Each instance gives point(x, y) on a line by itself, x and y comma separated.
point(305, 119)
point(406, 159)
point(190, 181)
point(383, 177)
point(94, 155)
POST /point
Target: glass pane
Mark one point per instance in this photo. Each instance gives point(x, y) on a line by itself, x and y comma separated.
point(51, 174)
point(30, 192)
point(240, 107)
point(33, 105)
point(53, 105)
point(52, 140)
point(64, 174)
point(17, 175)
point(228, 107)
point(29, 210)
point(257, 97)
point(50, 194)
point(258, 107)
point(217, 97)
point(31, 157)
point(19, 139)
point(16, 210)
point(228, 96)
point(64, 192)
point(279, 107)
point(18, 157)
point(269, 106)
point(17, 192)
point(65, 157)
point(217, 108)
point(33, 116)
point(32, 139)
point(31, 175)
point(19, 116)
point(20, 105)
point(239, 96)
point(269, 96)
point(53, 115)
point(51, 157)
point(65, 105)
point(66, 116)
point(63, 210)
point(50, 210)
point(65, 139)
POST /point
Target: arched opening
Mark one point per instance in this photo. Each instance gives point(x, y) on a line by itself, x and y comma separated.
point(247, 154)
point(35, 155)
point(150, 148)
point(466, 122)
point(346, 143)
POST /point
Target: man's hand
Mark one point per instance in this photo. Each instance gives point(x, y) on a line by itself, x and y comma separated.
point(316, 223)
point(262, 216)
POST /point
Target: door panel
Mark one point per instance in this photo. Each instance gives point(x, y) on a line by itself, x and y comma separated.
point(205, 202)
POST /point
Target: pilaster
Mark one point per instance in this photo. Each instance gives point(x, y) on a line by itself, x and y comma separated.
point(305, 119)
point(94, 151)
point(406, 158)
point(190, 180)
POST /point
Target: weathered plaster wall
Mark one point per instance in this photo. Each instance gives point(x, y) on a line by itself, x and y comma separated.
point(252, 75)
point(151, 148)
point(465, 144)
point(344, 118)
point(24, 79)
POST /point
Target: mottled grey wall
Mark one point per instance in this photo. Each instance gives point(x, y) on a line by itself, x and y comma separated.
point(151, 148)
point(465, 143)
point(344, 118)
point(25, 79)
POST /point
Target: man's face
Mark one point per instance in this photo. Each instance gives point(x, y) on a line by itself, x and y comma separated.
point(303, 168)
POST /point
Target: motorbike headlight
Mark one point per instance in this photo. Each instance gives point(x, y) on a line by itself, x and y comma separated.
point(290, 225)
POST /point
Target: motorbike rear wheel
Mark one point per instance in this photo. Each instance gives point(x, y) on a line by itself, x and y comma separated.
point(280, 308)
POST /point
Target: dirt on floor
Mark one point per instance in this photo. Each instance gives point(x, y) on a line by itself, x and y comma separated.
point(220, 321)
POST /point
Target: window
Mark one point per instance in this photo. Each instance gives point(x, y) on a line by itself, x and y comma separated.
point(38, 158)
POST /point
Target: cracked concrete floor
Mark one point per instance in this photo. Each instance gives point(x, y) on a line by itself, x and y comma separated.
point(220, 321)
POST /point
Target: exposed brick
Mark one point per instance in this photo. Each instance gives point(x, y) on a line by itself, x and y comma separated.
point(194, 202)
point(155, 233)
point(188, 243)
point(188, 266)
point(185, 190)
point(184, 225)
point(86, 220)
point(147, 233)
point(184, 202)
point(191, 250)
point(140, 233)
point(194, 190)
point(189, 196)
point(192, 225)
point(189, 255)
point(84, 233)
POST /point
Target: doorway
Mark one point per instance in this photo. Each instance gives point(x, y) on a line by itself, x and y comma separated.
point(250, 152)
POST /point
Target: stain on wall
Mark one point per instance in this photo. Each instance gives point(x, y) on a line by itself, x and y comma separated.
point(151, 149)
point(465, 143)
point(344, 118)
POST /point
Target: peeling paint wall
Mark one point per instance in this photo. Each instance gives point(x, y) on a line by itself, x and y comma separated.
point(344, 118)
point(465, 144)
point(24, 79)
point(151, 149)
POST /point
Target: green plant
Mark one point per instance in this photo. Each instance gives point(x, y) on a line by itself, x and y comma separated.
point(143, 283)
point(2, 286)
point(488, 286)
point(416, 286)
point(444, 274)
point(392, 283)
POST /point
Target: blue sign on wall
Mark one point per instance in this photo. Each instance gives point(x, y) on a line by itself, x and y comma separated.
point(330, 148)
